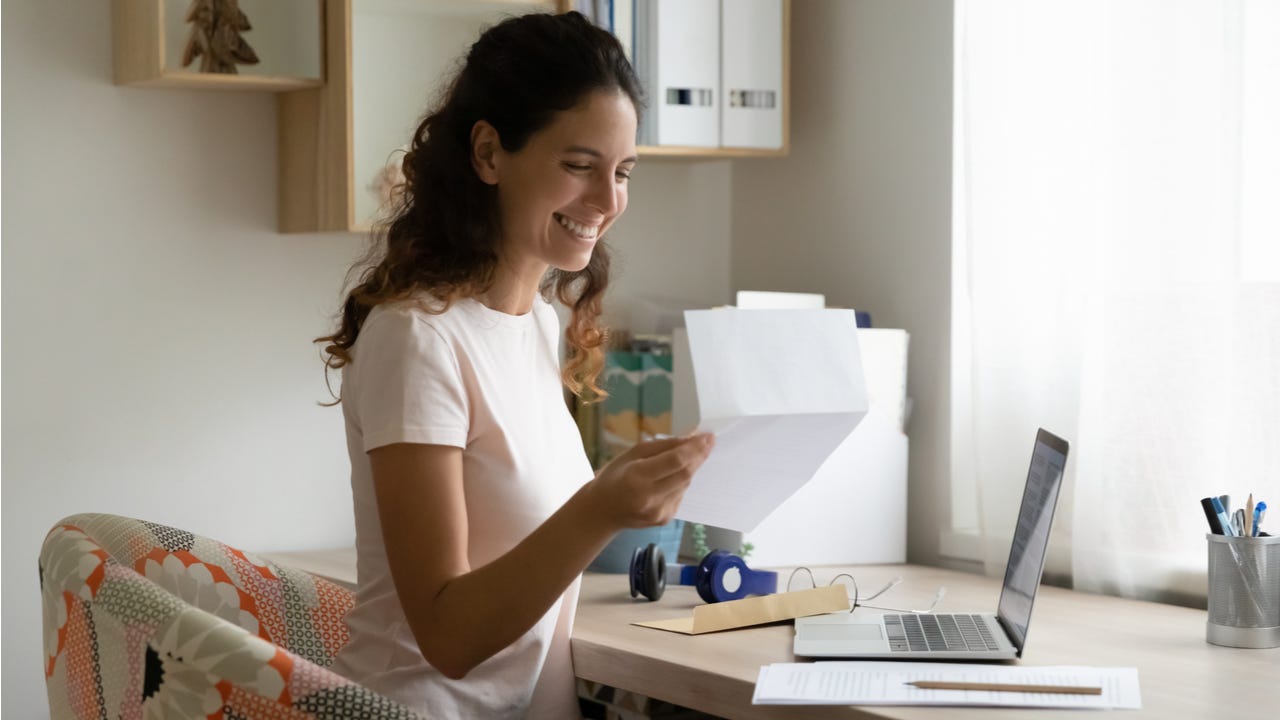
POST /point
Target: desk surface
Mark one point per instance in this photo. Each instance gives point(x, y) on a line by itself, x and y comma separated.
point(1181, 675)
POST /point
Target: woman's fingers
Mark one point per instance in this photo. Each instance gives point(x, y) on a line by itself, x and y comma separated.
point(657, 447)
point(673, 468)
point(649, 480)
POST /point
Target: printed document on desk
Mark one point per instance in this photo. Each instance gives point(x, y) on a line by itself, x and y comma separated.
point(781, 389)
point(885, 683)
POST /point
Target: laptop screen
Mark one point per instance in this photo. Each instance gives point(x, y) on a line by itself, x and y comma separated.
point(1031, 537)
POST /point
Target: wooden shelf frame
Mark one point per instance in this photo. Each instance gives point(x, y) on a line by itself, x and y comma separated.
point(315, 140)
point(138, 56)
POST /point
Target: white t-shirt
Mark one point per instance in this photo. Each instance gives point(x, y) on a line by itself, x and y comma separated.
point(489, 383)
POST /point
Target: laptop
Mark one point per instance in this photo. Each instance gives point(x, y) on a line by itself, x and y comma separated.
point(958, 636)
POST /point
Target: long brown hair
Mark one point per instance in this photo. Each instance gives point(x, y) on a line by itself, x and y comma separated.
point(442, 236)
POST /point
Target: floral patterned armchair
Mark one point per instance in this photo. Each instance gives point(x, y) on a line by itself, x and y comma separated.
point(146, 621)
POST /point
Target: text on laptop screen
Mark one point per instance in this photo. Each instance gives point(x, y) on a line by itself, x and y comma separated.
point(1030, 540)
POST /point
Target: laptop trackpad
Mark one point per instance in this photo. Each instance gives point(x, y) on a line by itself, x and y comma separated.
point(861, 634)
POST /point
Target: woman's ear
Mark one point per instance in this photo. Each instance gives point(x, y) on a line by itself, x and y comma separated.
point(485, 147)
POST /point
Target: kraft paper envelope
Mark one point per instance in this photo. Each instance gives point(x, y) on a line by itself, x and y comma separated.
point(756, 611)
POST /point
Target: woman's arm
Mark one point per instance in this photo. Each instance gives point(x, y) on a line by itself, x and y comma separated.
point(461, 616)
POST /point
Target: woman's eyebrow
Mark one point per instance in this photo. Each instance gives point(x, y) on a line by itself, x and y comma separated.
point(595, 153)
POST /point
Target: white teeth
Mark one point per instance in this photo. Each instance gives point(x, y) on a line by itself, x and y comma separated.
point(582, 231)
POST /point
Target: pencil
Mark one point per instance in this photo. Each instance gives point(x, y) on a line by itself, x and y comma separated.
point(1248, 517)
point(1006, 687)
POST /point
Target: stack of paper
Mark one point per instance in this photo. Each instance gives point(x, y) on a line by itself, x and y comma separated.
point(781, 389)
point(885, 683)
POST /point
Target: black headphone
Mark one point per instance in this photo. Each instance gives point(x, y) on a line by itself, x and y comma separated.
point(720, 576)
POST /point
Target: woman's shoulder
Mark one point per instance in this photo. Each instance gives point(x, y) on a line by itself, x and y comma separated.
point(419, 308)
point(411, 316)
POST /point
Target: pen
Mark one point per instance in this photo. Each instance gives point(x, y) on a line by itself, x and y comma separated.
point(1223, 520)
point(1006, 687)
point(1211, 515)
point(1259, 512)
point(1237, 522)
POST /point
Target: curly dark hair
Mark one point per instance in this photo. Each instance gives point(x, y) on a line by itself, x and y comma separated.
point(443, 233)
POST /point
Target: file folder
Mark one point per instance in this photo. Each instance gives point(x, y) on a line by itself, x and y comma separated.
point(677, 53)
point(624, 27)
point(854, 510)
point(751, 74)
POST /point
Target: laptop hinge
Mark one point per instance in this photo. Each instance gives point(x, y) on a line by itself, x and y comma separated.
point(1008, 634)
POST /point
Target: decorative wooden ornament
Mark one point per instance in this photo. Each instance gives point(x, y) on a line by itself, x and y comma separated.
point(215, 36)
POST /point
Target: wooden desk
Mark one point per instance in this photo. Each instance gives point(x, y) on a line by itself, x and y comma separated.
point(1181, 675)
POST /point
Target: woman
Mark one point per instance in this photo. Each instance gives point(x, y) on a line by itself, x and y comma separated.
point(476, 509)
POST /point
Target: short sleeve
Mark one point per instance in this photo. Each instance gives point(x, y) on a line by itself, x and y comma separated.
point(408, 384)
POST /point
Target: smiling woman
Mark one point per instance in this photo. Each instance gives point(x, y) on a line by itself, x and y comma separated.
point(561, 192)
point(475, 506)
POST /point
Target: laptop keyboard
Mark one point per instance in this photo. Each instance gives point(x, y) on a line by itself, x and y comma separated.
point(935, 633)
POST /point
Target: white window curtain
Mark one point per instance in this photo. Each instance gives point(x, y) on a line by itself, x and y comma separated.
point(1117, 256)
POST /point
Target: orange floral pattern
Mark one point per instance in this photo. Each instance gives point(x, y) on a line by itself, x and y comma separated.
point(146, 621)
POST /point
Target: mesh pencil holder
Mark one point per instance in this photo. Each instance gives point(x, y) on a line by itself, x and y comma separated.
point(1244, 591)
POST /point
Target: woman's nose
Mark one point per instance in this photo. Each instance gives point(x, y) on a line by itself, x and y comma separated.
point(603, 196)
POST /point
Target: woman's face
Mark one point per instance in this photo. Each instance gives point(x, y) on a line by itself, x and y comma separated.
point(562, 191)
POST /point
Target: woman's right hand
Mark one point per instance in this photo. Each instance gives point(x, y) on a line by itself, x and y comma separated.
point(643, 486)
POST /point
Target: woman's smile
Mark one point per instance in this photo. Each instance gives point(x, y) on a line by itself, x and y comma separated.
point(581, 231)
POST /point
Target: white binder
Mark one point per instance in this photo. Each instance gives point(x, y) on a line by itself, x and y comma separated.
point(678, 59)
point(751, 74)
point(624, 27)
point(853, 511)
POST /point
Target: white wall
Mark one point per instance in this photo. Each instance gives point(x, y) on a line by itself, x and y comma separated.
point(157, 361)
point(156, 329)
point(671, 248)
point(861, 208)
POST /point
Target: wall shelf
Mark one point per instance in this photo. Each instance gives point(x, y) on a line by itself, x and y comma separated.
point(148, 37)
point(203, 81)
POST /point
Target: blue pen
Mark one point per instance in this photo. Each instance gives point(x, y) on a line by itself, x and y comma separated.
point(1259, 511)
point(1222, 517)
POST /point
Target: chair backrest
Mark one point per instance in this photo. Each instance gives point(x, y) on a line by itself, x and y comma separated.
point(144, 620)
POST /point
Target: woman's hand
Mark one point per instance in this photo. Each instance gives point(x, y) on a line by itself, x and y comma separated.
point(643, 486)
